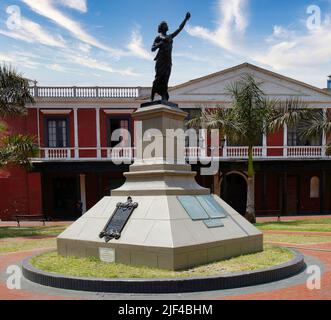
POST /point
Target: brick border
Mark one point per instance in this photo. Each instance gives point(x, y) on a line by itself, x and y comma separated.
point(165, 286)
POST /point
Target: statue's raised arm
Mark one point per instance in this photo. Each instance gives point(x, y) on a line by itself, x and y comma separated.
point(181, 27)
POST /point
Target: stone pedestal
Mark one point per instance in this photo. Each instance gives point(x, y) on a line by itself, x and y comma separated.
point(160, 233)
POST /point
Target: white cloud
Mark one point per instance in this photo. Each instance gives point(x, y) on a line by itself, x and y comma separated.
point(47, 9)
point(232, 23)
point(84, 47)
point(299, 53)
point(21, 59)
point(5, 58)
point(56, 67)
point(32, 32)
point(192, 56)
point(136, 46)
point(79, 5)
point(307, 49)
point(94, 64)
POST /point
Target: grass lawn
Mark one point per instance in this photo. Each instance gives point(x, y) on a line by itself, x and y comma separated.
point(92, 267)
point(320, 225)
point(26, 245)
point(15, 232)
point(296, 238)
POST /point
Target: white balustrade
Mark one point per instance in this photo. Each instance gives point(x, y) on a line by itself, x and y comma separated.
point(85, 92)
point(57, 153)
point(192, 153)
point(304, 152)
point(242, 152)
point(120, 153)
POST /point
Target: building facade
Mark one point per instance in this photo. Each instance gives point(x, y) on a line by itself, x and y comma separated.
point(78, 164)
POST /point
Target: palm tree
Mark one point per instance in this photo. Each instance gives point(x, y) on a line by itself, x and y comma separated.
point(14, 95)
point(17, 149)
point(317, 124)
point(249, 112)
point(249, 117)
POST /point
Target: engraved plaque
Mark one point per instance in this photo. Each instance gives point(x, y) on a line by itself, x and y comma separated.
point(212, 207)
point(118, 220)
point(193, 207)
point(107, 255)
point(203, 208)
point(213, 223)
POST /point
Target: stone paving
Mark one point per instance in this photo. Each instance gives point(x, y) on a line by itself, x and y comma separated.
point(290, 289)
point(291, 218)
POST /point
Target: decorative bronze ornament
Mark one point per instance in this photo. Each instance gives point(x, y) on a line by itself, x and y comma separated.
point(119, 219)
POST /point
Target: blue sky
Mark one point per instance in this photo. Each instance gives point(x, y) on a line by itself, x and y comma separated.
point(107, 42)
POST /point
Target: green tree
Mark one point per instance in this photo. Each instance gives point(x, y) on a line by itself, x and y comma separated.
point(315, 125)
point(14, 95)
point(250, 116)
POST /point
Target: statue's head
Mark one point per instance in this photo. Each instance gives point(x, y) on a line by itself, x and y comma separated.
point(163, 27)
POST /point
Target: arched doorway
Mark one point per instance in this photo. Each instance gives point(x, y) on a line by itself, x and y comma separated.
point(234, 191)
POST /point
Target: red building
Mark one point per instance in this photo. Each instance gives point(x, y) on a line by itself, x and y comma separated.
point(73, 126)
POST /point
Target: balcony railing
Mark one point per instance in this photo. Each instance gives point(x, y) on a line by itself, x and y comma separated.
point(228, 153)
point(307, 152)
point(242, 152)
point(85, 92)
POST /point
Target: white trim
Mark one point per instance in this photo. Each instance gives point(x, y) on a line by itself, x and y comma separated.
point(125, 111)
point(76, 133)
point(324, 138)
point(97, 120)
point(38, 127)
point(285, 140)
point(82, 180)
point(54, 112)
point(265, 142)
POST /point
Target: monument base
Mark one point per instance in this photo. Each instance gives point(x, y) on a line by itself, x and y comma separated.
point(159, 102)
point(176, 224)
point(160, 234)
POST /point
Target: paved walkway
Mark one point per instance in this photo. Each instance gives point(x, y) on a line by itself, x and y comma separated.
point(289, 289)
point(34, 224)
point(321, 252)
point(6, 294)
point(292, 218)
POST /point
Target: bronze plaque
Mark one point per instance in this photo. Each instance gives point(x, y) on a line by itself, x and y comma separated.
point(118, 220)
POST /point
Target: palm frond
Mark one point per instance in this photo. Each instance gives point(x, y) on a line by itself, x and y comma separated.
point(3, 127)
point(315, 125)
point(288, 113)
point(328, 150)
point(17, 149)
point(14, 92)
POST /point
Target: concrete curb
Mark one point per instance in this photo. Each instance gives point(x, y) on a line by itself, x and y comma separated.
point(165, 286)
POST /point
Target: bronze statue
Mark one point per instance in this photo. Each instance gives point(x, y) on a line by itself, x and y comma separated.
point(163, 59)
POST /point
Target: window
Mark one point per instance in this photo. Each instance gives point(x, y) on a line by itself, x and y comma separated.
point(193, 139)
point(123, 125)
point(57, 133)
point(258, 142)
point(314, 188)
point(294, 139)
point(191, 114)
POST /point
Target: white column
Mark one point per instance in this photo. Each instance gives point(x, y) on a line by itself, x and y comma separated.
point(225, 149)
point(82, 179)
point(38, 127)
point(97, 119)
point(76, 133)
point(204, 136)
point(264, 150)
point(324, 139)
point(285, 140)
